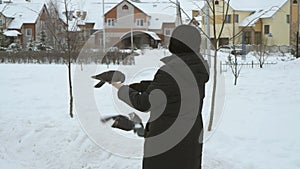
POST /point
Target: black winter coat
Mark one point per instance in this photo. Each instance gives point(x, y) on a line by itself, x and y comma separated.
point(173, 138)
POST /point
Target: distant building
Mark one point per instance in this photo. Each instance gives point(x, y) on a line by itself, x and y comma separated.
point(22, 22)
point(274, 23)
point(150, 22)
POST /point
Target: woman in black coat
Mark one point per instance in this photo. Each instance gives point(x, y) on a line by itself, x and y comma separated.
point(173, 137)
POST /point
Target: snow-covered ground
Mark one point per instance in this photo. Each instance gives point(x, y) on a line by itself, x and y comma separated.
point(257, 130)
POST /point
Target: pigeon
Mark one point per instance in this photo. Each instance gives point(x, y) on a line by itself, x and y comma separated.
point(109, 77)
point(133, 122)
point(140, 87)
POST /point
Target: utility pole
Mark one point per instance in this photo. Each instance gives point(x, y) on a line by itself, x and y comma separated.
point(297, 41)
point(131, 32)
point(207, 27)
point(103, 31)
point(297, 44)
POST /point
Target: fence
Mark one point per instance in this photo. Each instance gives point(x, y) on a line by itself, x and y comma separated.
point(225, 66)
point(271, 49)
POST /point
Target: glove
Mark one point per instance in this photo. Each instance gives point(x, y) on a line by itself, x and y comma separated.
point(109, 77)
point(123, 123)
point(140, 87)
point(134, 122)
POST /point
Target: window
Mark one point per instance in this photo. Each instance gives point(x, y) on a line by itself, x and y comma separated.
point(287, 19)
point(140, 22)
point(168, 31)
point(236, 18)
point(295, 2)
point(110, 22)
point(228, 19)
point(195, 13)
point(266, 29)
point(248, 37)
point(1, 23)
point(125, 7)
point(28, 32)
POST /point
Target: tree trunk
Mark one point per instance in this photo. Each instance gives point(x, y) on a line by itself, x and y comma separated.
point(70, 88)
point(213, 97)
point(236, 73)
point(235, 80)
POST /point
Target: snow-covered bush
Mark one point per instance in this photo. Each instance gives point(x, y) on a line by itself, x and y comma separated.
point(13, 47)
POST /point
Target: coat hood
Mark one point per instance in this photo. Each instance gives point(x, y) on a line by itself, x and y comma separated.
point(185, 39)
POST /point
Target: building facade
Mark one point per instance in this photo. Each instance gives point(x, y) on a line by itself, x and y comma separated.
point(273, 25)
point(144, 21)
point(22, 22)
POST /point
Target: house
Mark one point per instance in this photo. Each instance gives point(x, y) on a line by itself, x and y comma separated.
point(22, 22)
point(272, 22)
point(147, 22)
point(143, 21)
point(78, 25)
point(150, 22)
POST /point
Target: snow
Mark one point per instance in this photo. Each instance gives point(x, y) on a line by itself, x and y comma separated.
point(259, 124)
point(12, 33)
point(255, 4)
point(258, 127)
point(152, 34)
point(157, 19)
point(262, 13)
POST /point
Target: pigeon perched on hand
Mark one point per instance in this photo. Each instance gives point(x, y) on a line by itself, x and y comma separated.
point(140, 87)
point(109, 77)
point(133, 122)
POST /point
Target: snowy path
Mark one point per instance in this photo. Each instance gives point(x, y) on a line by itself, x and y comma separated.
point(259, 128)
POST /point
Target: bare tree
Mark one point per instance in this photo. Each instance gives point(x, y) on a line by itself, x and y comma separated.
point(66, 37)
point(219, 12)
point(216, 38)
point(261, 53)
point(211, 4)
point(55, 25)
point(233, 58)
point(235, 67)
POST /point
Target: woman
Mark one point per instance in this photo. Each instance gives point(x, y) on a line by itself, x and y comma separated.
point(174, 98)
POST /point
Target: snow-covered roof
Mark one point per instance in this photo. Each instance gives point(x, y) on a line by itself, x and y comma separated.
point(253, 5)
point(259, 14)
point(165, 11)
point(157, 19)
point(93, 11)
point(152, 34)
point(159, 11)
point(11, 33)
point(21, 13)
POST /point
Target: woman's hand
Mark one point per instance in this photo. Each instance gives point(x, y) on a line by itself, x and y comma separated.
point(117, 85)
